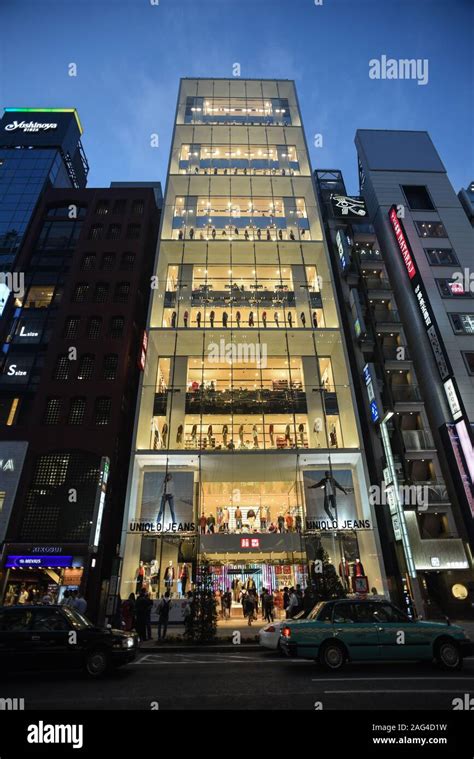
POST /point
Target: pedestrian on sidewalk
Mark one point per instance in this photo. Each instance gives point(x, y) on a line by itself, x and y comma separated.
point(249, 607)
point(163, 615)
point(141, 613)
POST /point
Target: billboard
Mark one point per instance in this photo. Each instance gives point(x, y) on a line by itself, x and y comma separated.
point(166, 504)
point(330, 501)
point(12, 457)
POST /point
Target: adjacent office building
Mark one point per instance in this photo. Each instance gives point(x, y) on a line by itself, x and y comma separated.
point(246, 406)
point(466, 197)
point(398, 253)
point(39, 148)
point(73, 347)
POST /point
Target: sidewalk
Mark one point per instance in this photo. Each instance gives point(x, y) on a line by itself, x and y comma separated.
point(225, 632)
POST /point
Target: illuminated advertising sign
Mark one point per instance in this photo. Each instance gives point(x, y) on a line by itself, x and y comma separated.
point(402, 242)
point(348, 207)
point(369, 383)
point(100, 501)
point(250, 542)
point(453, 400)
point(47, 560)
point(143, 350)
point(342, 248)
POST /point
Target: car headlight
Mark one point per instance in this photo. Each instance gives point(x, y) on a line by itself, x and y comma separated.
point(128, 643)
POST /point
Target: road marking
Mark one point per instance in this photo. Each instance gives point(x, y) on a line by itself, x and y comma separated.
point(390, 692)
point(363, 679)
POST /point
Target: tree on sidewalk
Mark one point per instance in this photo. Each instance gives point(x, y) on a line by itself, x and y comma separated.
point(201, 623)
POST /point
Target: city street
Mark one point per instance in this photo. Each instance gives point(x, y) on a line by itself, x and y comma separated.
point(240, 679)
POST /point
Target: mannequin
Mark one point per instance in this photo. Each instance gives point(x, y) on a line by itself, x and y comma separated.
point(358, 569)
point(164, 435)
point(271, 431)
point(255, 436)
point(225, 433)
point(139, 576)
point(251, 518)
point(250, 584)
point(194, 435)
point(179, 435)
point(301, 434)
point(225, 519)
point(209, 435)
point(333, 436)
point(236, 587)
point(241, 436)
point(344, 571)
point(154, 574)
point(169, 576)
point(287, 435)
point(317, 430)
point(238, 518)
point(184, 577)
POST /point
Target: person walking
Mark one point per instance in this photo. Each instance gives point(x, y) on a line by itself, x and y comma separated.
point(269, 608)
point(141, 612)
point(163, 615)
point(249, 607)
point(128, 612)
point(79, 603)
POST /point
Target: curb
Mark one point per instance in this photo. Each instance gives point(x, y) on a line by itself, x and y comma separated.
point(200, 649)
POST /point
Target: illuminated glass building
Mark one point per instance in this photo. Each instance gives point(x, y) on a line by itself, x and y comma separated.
point(246, 400)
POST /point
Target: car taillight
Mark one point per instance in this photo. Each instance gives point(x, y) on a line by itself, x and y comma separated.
point(286, 632)
point(270, 629)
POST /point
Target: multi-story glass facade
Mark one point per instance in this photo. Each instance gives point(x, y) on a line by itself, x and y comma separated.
point(246, 399)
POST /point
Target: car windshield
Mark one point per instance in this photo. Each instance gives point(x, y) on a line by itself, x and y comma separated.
point(76, 619)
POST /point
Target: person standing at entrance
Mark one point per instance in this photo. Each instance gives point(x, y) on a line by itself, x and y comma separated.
point(167, 496)
point(163, 615)
point(141, 613)
point(268, 607)
point(249, 607)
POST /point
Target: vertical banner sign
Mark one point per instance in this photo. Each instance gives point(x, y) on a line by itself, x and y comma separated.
point(100, 501)
point(445, 370)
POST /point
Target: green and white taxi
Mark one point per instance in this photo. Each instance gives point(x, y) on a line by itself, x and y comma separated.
point(372, 630)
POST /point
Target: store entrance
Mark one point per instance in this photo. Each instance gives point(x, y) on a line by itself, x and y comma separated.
point(239, 578)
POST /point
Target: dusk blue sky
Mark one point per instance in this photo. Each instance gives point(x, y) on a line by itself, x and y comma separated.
point(131, 54)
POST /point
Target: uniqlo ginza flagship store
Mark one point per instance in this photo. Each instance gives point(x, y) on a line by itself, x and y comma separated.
point(258, 521)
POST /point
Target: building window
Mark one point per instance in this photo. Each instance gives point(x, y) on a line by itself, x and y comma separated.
point(441, 257)
point(108, 260)
point(96, 232)
point(114, 232)
point(86, 367)
point(81, 293)
point(93, 328)
point(88, 262)
point(418, 197)
point(117, 324)
point(77, 409)
point(430, 229)
point(462, 324)
point(122, 290)
point(61, 370)
point(128, 261)
point(110, 366)
point(102, 208)
point(101, 292)
point(102, 410)
point(469, 361)
point(52, 411)
point(39, 296)
point(133, 232)
point(450, 289)
point(138, 207)
point(119, 207)
point(71, 328)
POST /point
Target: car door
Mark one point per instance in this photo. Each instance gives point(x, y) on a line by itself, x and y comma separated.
point(51, 640)
point(356, 627)
point(15, 645)
point(400, 637)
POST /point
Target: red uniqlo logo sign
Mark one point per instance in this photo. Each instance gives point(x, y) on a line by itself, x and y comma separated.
point(250, 542)
point(402, 242)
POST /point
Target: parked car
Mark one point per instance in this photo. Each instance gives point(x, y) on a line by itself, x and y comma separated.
point(270, 635)
point(348, 630)
point(47, 637)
